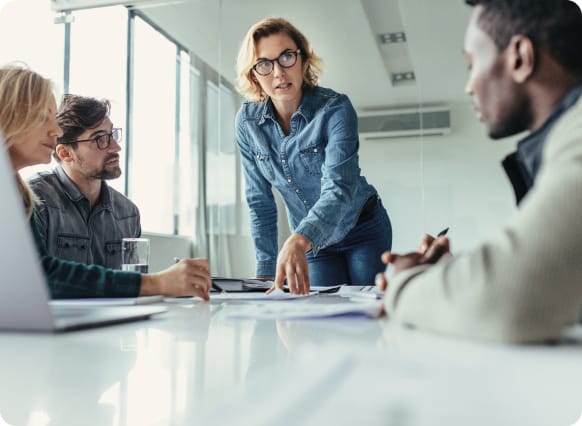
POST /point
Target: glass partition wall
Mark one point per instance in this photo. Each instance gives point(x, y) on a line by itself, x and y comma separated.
point(168, 68)
point(169, 71)
point(401, 64)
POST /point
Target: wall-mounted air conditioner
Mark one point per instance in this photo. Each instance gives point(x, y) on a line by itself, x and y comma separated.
point(405, 122)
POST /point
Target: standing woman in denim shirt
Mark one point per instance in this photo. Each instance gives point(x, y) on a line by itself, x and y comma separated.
point(303, 140)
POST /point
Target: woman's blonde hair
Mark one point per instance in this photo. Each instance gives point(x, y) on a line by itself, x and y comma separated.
point(24, 96)
point(247, 85)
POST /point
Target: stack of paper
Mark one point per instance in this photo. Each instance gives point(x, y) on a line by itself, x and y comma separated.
point(242, 284)
point(366, 291)
point(277, 295)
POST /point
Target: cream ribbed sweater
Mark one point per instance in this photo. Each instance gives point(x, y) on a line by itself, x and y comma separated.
point(525, 283)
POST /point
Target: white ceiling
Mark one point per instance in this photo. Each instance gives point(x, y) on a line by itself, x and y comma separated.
point(345, 34)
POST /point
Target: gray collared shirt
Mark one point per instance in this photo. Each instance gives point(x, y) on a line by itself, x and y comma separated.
point(523, 165)
point(74, 231)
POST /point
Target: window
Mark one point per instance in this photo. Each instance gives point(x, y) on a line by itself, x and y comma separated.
point(176, 113)
point(187, 190)
point(98, 63)
point(221, 160)
point(34, 38)
point(153, 122)
point(36, 41)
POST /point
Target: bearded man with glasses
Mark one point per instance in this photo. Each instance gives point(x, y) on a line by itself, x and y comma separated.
point(81, 217)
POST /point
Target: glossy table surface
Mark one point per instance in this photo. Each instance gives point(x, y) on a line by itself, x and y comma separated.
point(196, 364)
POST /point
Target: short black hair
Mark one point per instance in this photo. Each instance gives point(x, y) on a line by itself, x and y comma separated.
point(77, 114)
point(553, 25)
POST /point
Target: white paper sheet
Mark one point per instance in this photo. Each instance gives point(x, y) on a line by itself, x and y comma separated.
point(277, 295)
point(300, 310)
point(365, 291)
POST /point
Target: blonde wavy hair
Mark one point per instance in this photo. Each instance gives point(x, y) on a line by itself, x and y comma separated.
point(247, 84)
point(24, 96)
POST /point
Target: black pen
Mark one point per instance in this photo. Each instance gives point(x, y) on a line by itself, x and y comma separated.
point(214, 285)
point(443, 232)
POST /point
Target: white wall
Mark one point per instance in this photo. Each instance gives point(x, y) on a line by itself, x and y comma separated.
point(164, 248)
point(242, 252)
point(426, 185)
point(436, 182)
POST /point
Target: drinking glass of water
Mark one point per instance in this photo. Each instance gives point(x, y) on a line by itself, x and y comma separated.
point(135, 254)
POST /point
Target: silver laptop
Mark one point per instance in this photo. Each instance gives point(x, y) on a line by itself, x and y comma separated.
point(24, 294)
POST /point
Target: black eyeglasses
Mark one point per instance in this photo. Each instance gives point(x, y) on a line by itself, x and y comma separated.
point(286, 60)
point(102, 141)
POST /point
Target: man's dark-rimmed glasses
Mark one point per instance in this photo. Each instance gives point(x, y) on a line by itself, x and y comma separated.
point(286, 60)
point(102, 141)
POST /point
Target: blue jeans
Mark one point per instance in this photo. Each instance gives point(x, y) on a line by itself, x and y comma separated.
point(355, 260)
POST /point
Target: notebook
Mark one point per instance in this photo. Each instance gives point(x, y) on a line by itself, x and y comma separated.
point(242, 285)
point(24, 293)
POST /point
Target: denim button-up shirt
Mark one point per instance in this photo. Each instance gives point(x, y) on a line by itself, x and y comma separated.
point(72, 230)
point(315, 168)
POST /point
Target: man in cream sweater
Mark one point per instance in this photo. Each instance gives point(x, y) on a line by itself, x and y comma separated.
point(524, 284)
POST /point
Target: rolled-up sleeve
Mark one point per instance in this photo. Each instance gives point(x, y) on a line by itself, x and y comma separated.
point(73, 280)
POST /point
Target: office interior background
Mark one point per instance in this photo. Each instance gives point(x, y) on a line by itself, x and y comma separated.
point(168, 68)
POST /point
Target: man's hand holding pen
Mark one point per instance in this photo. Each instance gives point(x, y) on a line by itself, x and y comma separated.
point(430, 250)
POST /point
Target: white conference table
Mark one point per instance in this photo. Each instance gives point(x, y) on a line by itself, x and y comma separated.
point(197, 365)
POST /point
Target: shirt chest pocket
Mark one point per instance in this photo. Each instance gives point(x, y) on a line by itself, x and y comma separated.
point(264, 163)
point(312, 158)
point(113, 254)
point(72, 247)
